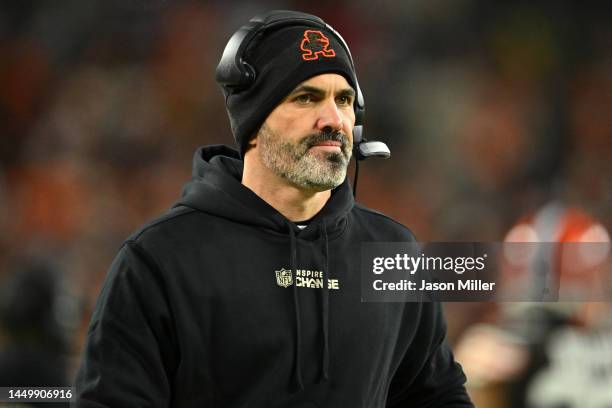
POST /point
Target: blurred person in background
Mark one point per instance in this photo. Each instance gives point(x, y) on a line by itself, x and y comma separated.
point(247, 292)
point(34, 336)
point(557, 352)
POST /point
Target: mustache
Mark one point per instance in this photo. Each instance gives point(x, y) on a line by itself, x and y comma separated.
point(325, 136)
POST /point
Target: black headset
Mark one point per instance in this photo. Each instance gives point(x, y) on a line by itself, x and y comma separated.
point(235, 73)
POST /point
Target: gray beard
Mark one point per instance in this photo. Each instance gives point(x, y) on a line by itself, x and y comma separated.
point(295, 163)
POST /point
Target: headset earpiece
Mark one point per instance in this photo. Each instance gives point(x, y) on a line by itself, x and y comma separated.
point(233, 72)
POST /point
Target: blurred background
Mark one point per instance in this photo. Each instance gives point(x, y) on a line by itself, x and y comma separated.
point(498, 116)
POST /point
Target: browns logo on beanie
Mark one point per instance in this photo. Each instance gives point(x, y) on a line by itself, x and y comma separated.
point(282, 59)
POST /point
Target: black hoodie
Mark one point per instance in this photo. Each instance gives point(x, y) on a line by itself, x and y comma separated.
point(223, 302)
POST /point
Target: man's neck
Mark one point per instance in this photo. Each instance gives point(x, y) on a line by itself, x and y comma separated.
point(296, 204)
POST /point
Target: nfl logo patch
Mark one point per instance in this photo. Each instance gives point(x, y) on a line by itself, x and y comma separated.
point(284, 278)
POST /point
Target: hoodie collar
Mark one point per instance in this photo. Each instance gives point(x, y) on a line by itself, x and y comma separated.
point(216, 188)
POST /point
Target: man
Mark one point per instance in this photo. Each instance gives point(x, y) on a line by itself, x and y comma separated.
point(247, 293)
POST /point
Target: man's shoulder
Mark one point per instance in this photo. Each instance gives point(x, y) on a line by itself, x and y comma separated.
point(174, 221)
point(383, 222)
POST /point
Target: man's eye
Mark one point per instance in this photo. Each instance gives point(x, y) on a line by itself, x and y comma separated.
point(305, 98)
point(344, 100)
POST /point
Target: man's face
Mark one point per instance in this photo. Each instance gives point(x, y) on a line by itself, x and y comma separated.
point(308, 138)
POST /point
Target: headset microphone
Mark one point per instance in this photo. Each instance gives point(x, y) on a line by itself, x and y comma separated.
point(373, 148)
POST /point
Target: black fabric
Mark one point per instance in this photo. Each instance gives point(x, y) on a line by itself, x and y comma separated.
point(191, 313)
point(278, 60)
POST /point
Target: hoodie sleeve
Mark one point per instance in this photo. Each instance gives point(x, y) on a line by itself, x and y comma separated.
point(428, 376)
point(129, 351)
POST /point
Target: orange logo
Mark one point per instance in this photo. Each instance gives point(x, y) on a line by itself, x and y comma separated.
point(315, 44)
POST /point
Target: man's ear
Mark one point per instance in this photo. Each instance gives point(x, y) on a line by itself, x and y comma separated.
point(251, 143)
point(253, 140)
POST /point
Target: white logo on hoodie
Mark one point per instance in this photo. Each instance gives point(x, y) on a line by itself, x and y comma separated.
point(304, 278)
point(284, 278)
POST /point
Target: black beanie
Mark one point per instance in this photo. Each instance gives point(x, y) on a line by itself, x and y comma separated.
point(282, 59)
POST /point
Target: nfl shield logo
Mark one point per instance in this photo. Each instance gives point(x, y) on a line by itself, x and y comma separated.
point(283, 278)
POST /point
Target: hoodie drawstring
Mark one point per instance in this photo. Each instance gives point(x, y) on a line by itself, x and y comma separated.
point(325, 309)
point(296, 304)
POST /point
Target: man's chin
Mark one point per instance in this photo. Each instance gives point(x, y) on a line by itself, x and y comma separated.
point(321, 186)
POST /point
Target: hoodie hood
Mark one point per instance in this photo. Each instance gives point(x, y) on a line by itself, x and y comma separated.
point(216, 188)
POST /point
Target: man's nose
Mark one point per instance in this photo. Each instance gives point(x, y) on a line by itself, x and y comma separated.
point(329, 116)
